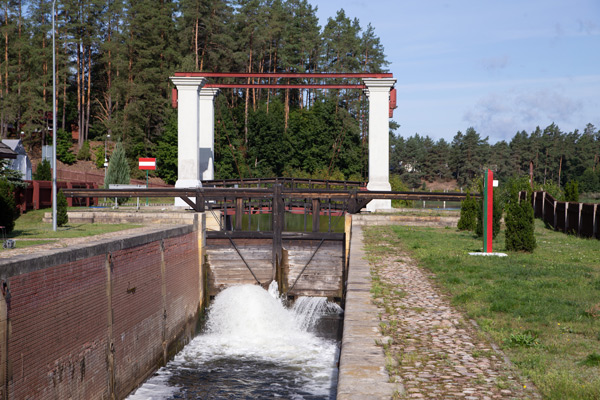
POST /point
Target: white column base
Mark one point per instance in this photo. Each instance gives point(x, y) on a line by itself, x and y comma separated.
point(379, 204)
point(185, 184)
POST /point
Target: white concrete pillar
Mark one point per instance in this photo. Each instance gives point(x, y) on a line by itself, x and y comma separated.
point(188, 168)
point(378, 91)
point(207, 132)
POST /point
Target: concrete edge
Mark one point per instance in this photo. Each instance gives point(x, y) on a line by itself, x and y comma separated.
point(362, 373)
point(26, 263)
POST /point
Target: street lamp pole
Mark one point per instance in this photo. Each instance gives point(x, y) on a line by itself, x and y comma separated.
point(105, 161)
point(54, 216)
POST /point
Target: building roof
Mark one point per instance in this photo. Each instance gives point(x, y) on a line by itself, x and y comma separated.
point(6, 151)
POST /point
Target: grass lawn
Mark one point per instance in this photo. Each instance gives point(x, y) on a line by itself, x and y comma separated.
point(542, 308)
point(30, 226)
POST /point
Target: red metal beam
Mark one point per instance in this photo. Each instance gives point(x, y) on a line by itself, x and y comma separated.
point(282, 75)
point(281, 86)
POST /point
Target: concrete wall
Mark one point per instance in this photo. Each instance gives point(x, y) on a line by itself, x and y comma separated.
point(92, 322)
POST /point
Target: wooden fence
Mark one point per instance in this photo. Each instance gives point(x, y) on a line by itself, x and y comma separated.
point(581, 219)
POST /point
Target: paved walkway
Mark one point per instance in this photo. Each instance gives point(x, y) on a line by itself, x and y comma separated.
point(436, 353)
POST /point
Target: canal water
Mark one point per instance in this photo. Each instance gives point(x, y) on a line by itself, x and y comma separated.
point(253, 348)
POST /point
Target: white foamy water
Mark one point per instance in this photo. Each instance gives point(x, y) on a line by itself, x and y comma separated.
point(253, 347)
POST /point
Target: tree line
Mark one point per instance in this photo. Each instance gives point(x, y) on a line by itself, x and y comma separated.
point(114, 58)
point(557, 157)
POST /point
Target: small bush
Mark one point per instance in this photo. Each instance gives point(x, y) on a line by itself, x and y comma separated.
point(62, 218)
point(8, 207)
point(99, 154)
point(520, 224)
point(64, 141)
point(572, 191)
point(43, 171)
point(468, 214)
point(84, 154)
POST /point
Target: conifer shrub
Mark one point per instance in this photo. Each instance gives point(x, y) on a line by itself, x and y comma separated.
point(62, 218)
point(99, 157)
point(118, 171)
point(8, 207)
point(519, 222)
point(572, 191)
point(84, 154)
point(43, 171)
point(64, 141)
point(468, 214)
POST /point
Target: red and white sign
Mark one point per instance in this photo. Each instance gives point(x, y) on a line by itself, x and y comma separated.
point(148, 163)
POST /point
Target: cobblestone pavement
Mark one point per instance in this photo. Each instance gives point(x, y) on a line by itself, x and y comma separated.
point(66, 242)
point(433, 350)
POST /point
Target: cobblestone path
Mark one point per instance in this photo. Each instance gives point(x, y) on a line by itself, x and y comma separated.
point(433, 350)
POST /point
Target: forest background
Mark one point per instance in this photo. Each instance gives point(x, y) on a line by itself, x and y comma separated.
point(114, 58)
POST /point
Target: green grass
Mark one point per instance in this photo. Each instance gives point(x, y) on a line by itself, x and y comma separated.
point(542, 308)
point(30, 226)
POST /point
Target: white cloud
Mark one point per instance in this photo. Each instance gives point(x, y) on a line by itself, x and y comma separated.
point(501, 115)
point(495, 63)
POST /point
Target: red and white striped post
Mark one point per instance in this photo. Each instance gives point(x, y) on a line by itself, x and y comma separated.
point(147, 164)
point(488, 211)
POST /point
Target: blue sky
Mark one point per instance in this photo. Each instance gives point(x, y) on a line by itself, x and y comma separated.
point(498, 66)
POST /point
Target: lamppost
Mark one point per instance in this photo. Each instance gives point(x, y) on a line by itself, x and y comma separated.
point(105, 161)
point(54, 216)
point(105, 157)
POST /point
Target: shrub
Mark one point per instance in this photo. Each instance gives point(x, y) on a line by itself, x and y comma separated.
point(62, 218)
point(572, 191)
point(64, 141)
point(399, 186)
point(468, 214)
point(99, 154)
point(8, 207)
point(519, 224)
point(43, 171)
point(84, 153)
point(118, 171)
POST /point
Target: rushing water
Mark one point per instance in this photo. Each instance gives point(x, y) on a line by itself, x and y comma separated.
point(253, 348)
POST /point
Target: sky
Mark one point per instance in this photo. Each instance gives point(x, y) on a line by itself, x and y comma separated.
point(497, 66)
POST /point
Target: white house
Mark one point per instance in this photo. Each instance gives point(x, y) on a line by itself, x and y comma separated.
point(22, 163)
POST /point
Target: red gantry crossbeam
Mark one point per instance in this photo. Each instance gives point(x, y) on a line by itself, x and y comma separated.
point(275, 76)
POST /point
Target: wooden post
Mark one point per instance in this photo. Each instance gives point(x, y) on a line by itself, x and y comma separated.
point(543, 206)
point(239, 212)
point(277, 221)
point(534, 202)
point(555, 225)
point(566, 217)
point(579, 220)
point(595, 221)
point(316, 211)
